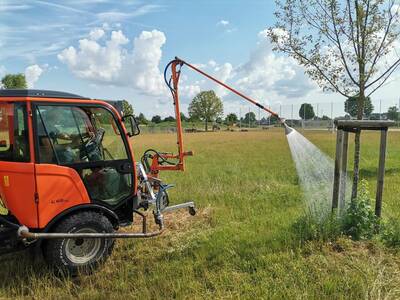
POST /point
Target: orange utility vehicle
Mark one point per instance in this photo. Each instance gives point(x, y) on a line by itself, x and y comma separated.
point(68, 176)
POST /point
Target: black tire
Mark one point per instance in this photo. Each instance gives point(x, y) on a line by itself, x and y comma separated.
point(79, 255)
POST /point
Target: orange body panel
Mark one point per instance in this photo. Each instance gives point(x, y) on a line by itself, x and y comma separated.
point(59, 188)
point(17, 189)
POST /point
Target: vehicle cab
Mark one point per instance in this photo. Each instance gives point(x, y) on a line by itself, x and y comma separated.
point(60, 152)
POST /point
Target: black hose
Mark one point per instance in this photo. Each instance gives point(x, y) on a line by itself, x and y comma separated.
point(168, 82)
point(149, 154)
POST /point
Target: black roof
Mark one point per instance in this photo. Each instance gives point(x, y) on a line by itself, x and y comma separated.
point(38, 93)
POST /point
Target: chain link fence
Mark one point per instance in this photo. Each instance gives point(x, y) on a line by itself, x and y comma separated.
point(324, 114)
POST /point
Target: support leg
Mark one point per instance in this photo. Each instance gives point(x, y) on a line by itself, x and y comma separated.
point(338, 158)
point(381, 173)
point(343, 171)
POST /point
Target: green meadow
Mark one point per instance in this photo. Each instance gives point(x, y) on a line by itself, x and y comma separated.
point(242, 244)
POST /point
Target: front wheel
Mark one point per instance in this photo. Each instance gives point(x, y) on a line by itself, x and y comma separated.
point(74, 255)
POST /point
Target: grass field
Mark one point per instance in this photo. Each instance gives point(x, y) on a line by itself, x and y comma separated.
point(242, 243)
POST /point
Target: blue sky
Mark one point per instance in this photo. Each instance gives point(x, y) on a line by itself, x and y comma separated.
point(118, 49)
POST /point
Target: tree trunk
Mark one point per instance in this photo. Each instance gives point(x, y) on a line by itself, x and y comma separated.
point(357, 145)
point(206, 124)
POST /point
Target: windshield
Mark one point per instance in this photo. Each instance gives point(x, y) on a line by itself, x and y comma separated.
point(71, 134)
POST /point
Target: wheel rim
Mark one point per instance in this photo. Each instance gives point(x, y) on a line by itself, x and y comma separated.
point(81, 251)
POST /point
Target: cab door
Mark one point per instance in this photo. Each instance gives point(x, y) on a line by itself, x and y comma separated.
point(86, 141)
point(17, 180)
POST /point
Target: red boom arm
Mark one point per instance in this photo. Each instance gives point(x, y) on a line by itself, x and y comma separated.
point(176, 64)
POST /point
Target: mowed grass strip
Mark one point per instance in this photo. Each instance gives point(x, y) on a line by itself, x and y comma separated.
point(242, 243)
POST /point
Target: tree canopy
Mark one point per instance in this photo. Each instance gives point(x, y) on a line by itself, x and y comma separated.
point(127, 108)
point(393, 113)
point(142, 119)
point(156, 119)
point(249, 118)
point(14, 81)
point(169, 119)
point(206, 106)
point(351, 106)
point(231, 119)
point(306, 111)
point(183, 117)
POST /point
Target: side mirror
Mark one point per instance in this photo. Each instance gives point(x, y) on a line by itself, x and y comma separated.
point(131, 125)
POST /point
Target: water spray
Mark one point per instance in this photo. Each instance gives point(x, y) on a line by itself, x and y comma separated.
point(288, 129)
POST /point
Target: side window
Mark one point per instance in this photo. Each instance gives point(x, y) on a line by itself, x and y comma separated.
point(14, 139)
point(63, 132)
point(112, 143)
point(70, 134)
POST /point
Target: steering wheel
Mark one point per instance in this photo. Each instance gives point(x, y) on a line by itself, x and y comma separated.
point(91, 149)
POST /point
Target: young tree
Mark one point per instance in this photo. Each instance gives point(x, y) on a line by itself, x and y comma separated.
point(351, 106)
point(272, 119)
point(142, 119)
point(393, 113)
point(219, 120)
point(169, 119)
point(231, 119)
point(346, 46)
point(156, 119)
point(249, 118)
point(127, 108)
point(183, 117)
point(306, 111)
point(14, 81)
point(206, 106)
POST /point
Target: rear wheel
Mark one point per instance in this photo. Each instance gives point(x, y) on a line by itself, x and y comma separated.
point(74, 255)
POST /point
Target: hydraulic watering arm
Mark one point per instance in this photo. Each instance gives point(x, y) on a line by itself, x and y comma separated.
point(180, 62)
point(161, 161)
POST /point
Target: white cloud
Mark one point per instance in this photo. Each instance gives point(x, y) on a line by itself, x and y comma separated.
point(190, 91)
point(266, 73)
point(145, 60)
point(223, 73)
point(96, 34)
point(32, 74)
point(106, 26)
point(61, 7)
point(212, 63)
point(11, 8)
point(226, 25)
point(265, 76)
point(114, 63)
point(115, 15)
point(2, 71)
point(223, 23)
